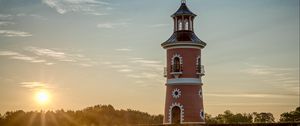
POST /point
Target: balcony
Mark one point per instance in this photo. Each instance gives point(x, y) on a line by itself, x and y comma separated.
point(175, 74)
point(200, 70)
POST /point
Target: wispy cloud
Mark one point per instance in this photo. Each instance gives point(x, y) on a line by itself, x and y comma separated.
point(125, 70)
point(124, 49)
point(78, 59)
point(252, 95)
point(6, 16)
point(39, 55)
point(18, 56)
point(158, 25)
point(281, 77)
point(83, 6)
point(34, 85)
point(6, 23)
point(12, 33)
point(112, 25)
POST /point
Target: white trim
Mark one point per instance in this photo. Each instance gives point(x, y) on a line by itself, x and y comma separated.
point(183, 43)
point(176, 47)
point(174, 56)
point(183, 81)
point(181, 112)
point(197, 62)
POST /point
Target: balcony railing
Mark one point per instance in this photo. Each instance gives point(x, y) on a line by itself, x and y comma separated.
point(200, 70)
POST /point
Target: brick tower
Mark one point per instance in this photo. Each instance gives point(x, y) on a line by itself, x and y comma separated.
point(184, 99)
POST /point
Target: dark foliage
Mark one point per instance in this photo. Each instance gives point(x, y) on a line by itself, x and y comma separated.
point(293, 116)
point(99, 115)
point(229, 117)
point(263, 117)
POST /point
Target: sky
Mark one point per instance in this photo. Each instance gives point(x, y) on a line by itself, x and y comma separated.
point(89, 52)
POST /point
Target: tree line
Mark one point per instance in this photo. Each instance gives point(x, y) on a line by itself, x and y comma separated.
point(264, 117)
point(107, 115)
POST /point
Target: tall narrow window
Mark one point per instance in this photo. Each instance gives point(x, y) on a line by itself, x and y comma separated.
point(179, 24)
point(186, 23)
point(176, 65)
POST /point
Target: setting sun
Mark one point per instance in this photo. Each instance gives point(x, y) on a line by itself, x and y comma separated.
point(42, 97)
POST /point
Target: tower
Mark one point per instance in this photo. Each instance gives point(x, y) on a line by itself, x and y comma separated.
point(184, 99)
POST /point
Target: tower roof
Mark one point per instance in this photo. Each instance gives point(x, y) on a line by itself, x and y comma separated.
point(184, 38)
point(183, 10)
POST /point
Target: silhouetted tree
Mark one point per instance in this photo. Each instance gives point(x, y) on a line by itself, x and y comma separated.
point(293, 116)
point(263, 117)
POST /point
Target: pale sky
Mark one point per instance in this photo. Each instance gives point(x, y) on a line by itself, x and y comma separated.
point(88, 52)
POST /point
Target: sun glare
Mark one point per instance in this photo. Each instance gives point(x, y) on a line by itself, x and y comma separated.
point(42, 97)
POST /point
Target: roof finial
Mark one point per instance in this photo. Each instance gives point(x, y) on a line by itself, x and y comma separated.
point(183, 1)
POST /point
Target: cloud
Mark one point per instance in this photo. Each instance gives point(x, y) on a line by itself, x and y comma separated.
point(252, 95)
point(159, 25)
point(34, 85)
point(111, 25)
point(125, 70)
point(83, 6)
point(12, 33)
point(18, 56)
point(6, 23)
point(49, 53)
point(40, 54)
point(145, 61)
point(78, 59)
point(6, 16)
point(124, 49)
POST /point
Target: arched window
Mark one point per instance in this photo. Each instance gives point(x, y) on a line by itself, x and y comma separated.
point(186, 24)
point(179, 24)
point(176, 65)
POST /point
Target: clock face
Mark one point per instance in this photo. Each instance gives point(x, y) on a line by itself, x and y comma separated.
point(176, 93)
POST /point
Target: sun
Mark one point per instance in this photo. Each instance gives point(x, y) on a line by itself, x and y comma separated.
point(42, 97)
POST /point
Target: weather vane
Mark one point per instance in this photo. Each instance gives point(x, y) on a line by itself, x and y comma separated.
point(183, 1)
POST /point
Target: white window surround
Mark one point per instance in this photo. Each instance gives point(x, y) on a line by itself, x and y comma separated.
point(199, 57)
point(181, 112)
point(174, 56)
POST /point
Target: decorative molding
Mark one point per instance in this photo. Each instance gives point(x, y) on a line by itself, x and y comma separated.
point(183, 43)
point(176, 47)
point(174, 56)
point(197, 62)
point(176, 93)
point(181, 112)
point(185, 81)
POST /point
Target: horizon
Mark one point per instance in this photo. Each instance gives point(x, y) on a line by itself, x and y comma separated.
point(73, 54)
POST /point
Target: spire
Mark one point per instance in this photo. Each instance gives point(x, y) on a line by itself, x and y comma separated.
point(183, 10)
